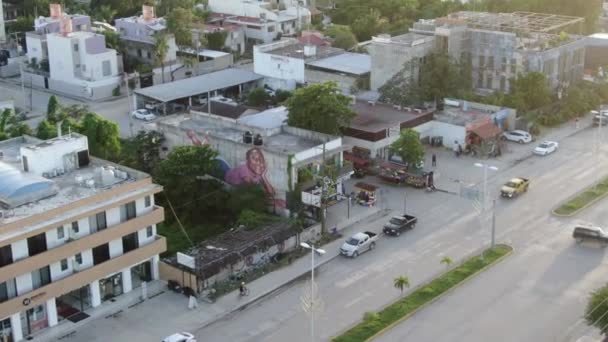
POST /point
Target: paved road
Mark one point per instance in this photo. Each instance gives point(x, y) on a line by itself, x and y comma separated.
point(535, 296)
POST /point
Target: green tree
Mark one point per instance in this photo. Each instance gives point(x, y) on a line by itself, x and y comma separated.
point(10, 126)
point(344, 40)
point(105, 13)
point(216, 40)
point(113, 41)
point(528, 92)
point(165, 7)
point(401, 283)
point(103, 136)
point(251, 197)
point(368, 25)
point(143, 151)
point(52, 108)
point(321, 108)
point(46, 130)
point(408, 147)
point(597, 306)
point(21, 24)
point(161, 48)
point(281, 95)
point(447, 261)
point(257, 97)
point(179, 22)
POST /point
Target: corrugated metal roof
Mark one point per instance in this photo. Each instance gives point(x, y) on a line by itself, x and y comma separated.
point(198, 85)
point(348, 62)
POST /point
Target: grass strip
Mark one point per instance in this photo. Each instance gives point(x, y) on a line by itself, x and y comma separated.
point(373, 323)
point(583, 199)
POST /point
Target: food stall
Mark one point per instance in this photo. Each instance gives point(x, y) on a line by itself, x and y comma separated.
point(365, 194)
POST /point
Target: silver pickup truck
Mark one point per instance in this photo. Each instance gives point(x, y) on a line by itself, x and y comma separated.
point(359, 243)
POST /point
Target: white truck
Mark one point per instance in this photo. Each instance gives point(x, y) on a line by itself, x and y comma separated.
point(359, 243)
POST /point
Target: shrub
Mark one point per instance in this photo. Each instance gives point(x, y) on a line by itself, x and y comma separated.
point(116, 91)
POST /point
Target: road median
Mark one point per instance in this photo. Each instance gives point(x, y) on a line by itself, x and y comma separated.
point(378, 323)
point(583, 199)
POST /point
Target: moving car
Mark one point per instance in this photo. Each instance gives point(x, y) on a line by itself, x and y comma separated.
point(180, 337)
point(545, 148)
point(581, 233)
point(515, 186)
point(143, 114)
point(359, 243)
point(399, 224)
point(519, 136)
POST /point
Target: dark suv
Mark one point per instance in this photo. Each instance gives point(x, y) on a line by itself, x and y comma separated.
point(581, 233)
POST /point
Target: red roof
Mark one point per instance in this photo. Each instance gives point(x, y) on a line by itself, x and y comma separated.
point(487, 130)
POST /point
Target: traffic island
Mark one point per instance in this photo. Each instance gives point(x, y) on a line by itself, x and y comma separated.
point(583, 199)
point(375, 324)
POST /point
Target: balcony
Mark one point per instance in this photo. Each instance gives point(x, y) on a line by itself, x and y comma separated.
point(82, 278)
point(73, 247)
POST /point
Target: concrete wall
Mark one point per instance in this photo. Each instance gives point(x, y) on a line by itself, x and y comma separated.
point(449, 132)
point(280, 67)
point(345, 82)
point(377, 148)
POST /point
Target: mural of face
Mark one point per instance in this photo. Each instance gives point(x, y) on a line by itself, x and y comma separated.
point(256, 162)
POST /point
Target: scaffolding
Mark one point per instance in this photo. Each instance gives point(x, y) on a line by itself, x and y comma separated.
point(528, 22)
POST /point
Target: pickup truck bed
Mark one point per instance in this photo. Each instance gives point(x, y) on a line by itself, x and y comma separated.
point(399, 224)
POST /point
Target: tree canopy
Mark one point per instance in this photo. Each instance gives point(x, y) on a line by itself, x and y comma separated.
point(408, 147)
point(321, 108)
point(342, 35)
point(179, 22)
point(597, 307)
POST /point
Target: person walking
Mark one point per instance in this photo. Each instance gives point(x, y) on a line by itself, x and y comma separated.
point(576, 124)
point(434, 160)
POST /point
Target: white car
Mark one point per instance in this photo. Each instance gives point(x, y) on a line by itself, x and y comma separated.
point(180, 337)
point(545, 148)
point(519, 136)
point(143, 114)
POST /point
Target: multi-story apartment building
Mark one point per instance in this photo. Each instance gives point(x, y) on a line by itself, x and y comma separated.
point(498, 46)
point(75, 231)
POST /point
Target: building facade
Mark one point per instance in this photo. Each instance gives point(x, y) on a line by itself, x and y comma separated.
point(75, 231)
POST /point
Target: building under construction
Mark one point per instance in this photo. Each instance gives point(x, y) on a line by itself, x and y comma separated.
point(498, 46)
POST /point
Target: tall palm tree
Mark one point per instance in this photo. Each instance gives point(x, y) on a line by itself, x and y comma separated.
point(161, 47)
point(447, 261)
point(401, 283)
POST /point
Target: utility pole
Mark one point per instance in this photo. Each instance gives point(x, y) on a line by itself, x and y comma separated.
point(323, 196)
point(130, 105)
point(404, 202)
point(493, 223)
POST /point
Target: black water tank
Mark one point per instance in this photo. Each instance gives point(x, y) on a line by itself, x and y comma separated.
point(247, 137)
point(257, 141)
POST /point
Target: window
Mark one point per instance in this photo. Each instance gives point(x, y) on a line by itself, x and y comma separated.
point(98, 222)
point(8, 290)
point(491, 62)
point(36, 244)
point(41, 277)
point(25, 166)
point(64, 264)
point(127, 211)
point(502, 83)
point(149, 54)
point(75, 47)
point(149, 231)
point(101, 254)
point(489, 82)
point(60, 232)
point(106, 68)
point(130, 242)
point(481, 61)
point(75, 227)
point(6, 255)
point(78, 258)
point(270, 28)
point(147, 201)
point(139, 53)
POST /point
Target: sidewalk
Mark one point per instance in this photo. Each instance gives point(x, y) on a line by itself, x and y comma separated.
point(133, 324)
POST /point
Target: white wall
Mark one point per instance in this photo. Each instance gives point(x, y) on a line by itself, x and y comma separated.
point(375, 147)
point(113, 216)
point(317, 150)
point(52, 238)
point(281, 67)
point(51, 157)
point(19, 250)
point(115, 248)
point(449, 132)
point(35, 48)
point(143, 238)
point(57, 273)
point(24, 283)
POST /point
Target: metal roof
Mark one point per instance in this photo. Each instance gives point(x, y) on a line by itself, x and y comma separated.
point(17, 188)
point(198, 85)
point(348, 62)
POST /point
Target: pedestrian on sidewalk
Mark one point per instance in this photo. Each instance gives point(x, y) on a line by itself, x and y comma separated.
point(576, 124)
point(434, 160)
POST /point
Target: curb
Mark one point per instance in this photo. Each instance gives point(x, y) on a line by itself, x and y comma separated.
point(590, 203)
point(261, 296)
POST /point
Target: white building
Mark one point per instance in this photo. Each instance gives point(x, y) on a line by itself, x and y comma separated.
point(76, 231)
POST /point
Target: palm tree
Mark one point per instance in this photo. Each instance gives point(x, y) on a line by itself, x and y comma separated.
point(447, 261)
point(401, 283)
point(160, 51)
point(105, 13)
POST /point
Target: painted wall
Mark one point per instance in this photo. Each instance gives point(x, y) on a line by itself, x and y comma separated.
point(449, 132)
point(46, 159)
point(280, 67)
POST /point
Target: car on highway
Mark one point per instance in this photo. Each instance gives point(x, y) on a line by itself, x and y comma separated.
point(143, 114)
point(582, 233)
point(180, 337)
point(545, 147)
point(398, 224)
point(518, 136)
point(359, 243)
point(515, 186)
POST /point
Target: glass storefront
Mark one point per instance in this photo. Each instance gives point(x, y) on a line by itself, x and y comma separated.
point(33, 320)
point(141, 273)
point(6, 332)
point(111, 287)
point(73, 302)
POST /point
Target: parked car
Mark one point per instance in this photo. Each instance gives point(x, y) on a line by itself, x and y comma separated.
point(545, 148)
point(515, 186)
point(359, 243)
point(600, 117)
point(180, 337)
point(581, 233)
point(399, 224)
point(517, 135)
point(143, 114)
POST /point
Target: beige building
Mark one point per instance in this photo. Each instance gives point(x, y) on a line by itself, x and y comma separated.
point(75, 231)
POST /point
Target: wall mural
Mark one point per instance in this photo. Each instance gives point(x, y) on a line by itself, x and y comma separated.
point(252, 171)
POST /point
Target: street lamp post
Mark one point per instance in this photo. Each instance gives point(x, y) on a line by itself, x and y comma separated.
point(313, 250)
point(404, 202)
point(484, 204)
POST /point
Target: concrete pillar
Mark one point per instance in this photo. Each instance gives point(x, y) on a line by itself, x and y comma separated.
point(16, 327)
point(127, 285)
point(95, 294)
point(155, 261)
point(51, 312)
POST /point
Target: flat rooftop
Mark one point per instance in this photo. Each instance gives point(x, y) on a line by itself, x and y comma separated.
point(348, 62)
point(458, 116)
point(71, 186)
point(407, 39)
point(296, 50)
point(283, 142)
point(380, 116)
point(515, 21)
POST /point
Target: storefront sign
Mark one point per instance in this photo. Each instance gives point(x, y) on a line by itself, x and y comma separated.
point(27, 301)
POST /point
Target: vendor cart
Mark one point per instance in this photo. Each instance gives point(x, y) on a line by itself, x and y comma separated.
point(400, 174)
point(365, 194)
